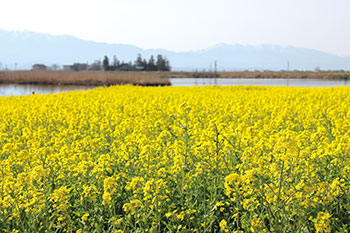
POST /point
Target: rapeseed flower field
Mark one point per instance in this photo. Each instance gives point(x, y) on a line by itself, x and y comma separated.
point(168, 159)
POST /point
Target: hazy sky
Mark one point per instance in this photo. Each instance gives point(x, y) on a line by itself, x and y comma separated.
point(181, 25)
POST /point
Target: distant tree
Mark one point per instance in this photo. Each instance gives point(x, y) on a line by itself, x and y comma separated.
point(145, 65)
point(116, 62)
point(167, 65)
point(162, 63)
point(139, 65)
point(96, 65)
point(151, 64)
point(0, 65)
point(105, 63)
point(55, 67)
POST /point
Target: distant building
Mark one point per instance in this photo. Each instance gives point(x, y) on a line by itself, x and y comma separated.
point(37, 67)
point(67, 67)
point(76, 67)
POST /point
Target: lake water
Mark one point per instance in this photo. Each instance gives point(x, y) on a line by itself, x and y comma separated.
point(258, 82)
point(24, 89)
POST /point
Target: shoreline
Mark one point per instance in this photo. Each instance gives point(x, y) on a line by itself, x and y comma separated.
point(142, 78)
point(265, 75)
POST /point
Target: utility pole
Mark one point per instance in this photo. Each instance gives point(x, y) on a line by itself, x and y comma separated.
point(288, 66)
point(15, 66)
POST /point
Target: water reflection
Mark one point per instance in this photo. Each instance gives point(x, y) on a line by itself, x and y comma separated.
point(25, 89)
point(258, 82)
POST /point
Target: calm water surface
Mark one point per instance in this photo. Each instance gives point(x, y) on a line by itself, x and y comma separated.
point(24, 89)
point(258, 82)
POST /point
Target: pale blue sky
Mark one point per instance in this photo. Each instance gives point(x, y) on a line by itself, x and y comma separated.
point(182, 25)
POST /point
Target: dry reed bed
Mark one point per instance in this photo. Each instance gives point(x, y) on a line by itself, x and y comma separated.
point(84, 78)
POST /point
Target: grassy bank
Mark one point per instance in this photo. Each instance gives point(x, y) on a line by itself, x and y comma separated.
point(84, 78)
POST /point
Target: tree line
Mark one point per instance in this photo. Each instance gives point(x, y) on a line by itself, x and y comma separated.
point(160, 63)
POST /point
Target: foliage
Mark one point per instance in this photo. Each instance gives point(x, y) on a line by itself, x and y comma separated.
point(105, 63)
point(198, 159)
point(162, 64)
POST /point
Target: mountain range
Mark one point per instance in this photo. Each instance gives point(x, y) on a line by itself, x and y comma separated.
point(22, 49)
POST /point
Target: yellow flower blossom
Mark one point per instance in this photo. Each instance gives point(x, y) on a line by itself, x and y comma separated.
point(223, 225)
point(168, 158)
point(322, 222)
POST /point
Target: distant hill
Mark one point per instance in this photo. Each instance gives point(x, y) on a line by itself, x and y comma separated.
point(26, 48)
